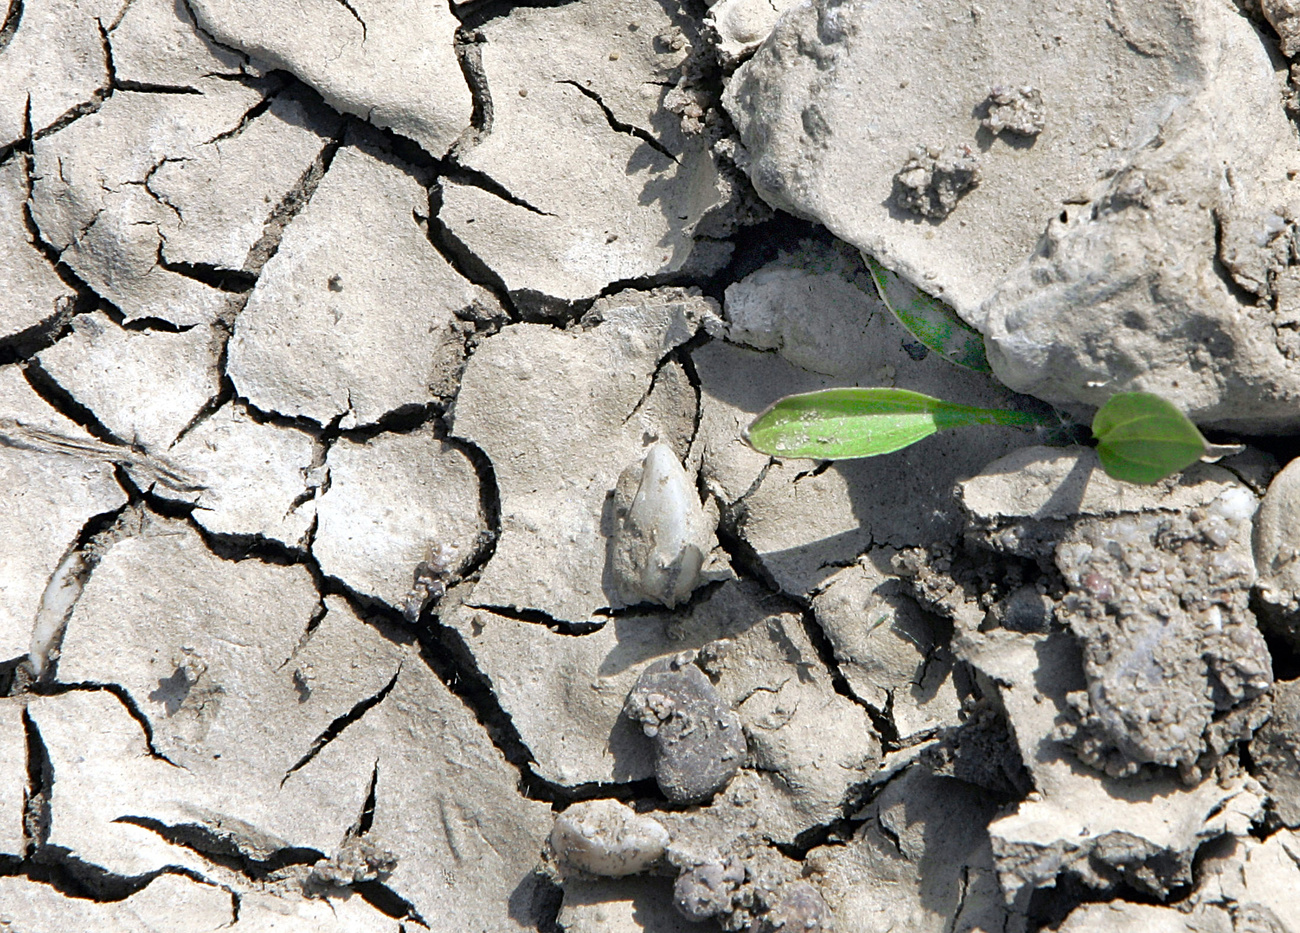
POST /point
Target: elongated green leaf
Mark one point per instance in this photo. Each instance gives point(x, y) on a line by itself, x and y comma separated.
point(931, 321)
point(836, 424)
point(1141, 438)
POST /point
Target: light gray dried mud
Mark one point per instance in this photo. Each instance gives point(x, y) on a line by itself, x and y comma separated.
point(13, 778)
point(48, 497)
point(390, 63)
point(355, 280)
point(155, 43)
point(34, 292)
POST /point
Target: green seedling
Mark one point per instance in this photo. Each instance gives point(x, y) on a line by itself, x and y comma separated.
point(930, 320)
point(1141, 438)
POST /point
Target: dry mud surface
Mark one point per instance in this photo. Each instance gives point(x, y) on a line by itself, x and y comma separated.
point(379, 549)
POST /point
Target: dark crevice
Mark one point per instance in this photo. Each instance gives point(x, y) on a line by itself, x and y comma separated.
point(366, 818)
point(816, 471)
point(388, 902)
point(40, 781)
point(618, 125)
point(225, 394)
point(194, 21)
point(290, 206)
point(484, 182)
point(464, 260)
point(234, 281)
point(355, 15)
point(489, 506)
point(98, 883)
point(405, 419)
point(335, 729)
point(59, 398)
point(123, 697)
point(537, 617)
point(144, 87)
point(473, 15)
point(276, 83)
point(13, 17)
point(224, 847)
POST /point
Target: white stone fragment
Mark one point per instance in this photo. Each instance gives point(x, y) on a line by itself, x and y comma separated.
point(33, 292)
point(392, 503)
point(559, 414)
point(663, 538)
point(742, 25)
point(92, 203)
point(390, 62)
point(144, 386)
point(56, 60)
point(155, 43)
point(256, 477)
point(1277, 551)
point(352, 315)
point(45, 500)
point(608, 838)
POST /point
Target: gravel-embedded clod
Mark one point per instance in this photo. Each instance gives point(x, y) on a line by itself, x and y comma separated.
point(607, 838)
point(933, 180)
point(752, 889)
point(698, 740)
point(662, 536)
point(1017, 110)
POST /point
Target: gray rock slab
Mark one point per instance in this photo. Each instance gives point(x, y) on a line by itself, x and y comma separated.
point(48, 498)
point(1124, 917)
point(1054, 329)
point(92, 204)
point(622, 905)
point(13, 778)
point(560, 414)
point(227, 193)
point(389, 62)
point(921, 863)
point(1276, 756)
point(155, 43)
point(891, 652)
point(446, 804)
point(803, 523)
point(1144, 831)
point(1157, 592)
point(56, 56)
point(144, 386)
point(394, 501)
point(33, 291)
point(170, 902)
point(594, 199)
point(257, 478)
point(351, 316)
point(239, 674)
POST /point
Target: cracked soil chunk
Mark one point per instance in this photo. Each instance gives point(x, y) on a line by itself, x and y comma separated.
point(228, 193)
point(55, 60)
point(47, 499)
point(1276, 755)
point(156, 44)
point(13, 778)
point(390, 62)
point(144, 386)
point(921, 862)
point(392, 503)
point(92, 202)
point(1276, 546)
point(33, 291)
point(354, 312)
point(1157, 592)
point(595, 198)
point(560, 414)
point(256, 476)
point(167, 904)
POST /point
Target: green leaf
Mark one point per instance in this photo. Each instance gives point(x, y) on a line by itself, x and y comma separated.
point(930, 320)
point(836, 424)
point(1141, 438)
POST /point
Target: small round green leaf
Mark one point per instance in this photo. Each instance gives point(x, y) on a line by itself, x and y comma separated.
point(1141, 438)
point(929, 320)
point(838, 424)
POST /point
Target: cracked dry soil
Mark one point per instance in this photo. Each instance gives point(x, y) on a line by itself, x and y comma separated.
point(379, 550)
